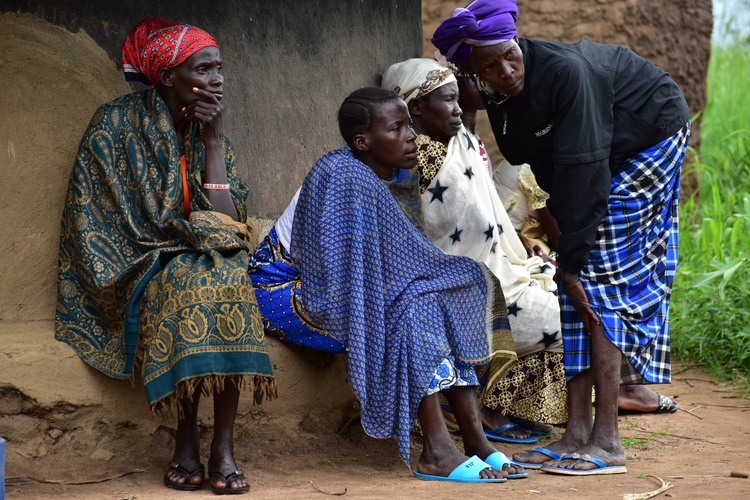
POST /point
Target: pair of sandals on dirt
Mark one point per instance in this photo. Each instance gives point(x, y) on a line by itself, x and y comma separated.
point(468, 471)
point(200, 471)
point(509, 433)
point(665, 405)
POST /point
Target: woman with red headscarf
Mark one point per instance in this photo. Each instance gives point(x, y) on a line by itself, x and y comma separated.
point(153, 250)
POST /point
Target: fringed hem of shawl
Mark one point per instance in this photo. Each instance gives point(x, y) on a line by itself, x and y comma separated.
point(262, 387)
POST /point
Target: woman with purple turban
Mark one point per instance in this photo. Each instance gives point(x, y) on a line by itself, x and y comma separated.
point(153, 250)
point(605, 133)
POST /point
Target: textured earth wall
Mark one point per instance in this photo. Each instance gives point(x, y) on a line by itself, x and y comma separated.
point(675, 36)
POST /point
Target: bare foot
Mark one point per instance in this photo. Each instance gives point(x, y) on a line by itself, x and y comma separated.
point(223, 470)
point(571, 440)
point(537, 457)
point(531, 425)
point(186, 464)
point(643, 399)
point(179, 474)
point(492, 420)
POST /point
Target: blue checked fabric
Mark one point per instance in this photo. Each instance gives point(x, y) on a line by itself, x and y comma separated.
point(628, 278)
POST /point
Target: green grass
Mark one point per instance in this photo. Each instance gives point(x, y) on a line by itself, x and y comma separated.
point(710, 308)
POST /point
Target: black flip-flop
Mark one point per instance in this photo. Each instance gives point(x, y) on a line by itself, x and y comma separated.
point(226, 490)
point(187, 485)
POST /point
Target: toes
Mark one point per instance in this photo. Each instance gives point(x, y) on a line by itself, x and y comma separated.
point(511, 469)
point(492, 473)
point(239, 482)
point(177, 477)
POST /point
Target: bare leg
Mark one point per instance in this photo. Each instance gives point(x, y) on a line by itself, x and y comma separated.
point(222, 445)
point(464, 404)
point(187, 444)
point(604, 441)
point(439, 455)
point(579, 425)
point(532, 425)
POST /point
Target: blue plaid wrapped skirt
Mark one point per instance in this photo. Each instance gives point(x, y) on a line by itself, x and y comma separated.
point(628, 278)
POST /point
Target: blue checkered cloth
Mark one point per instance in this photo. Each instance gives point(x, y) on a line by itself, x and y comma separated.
point(628, 278)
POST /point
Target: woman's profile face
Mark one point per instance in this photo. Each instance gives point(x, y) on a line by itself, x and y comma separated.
point(500, 65)
point(203, 70)
point(438, 113)
point(390, 139)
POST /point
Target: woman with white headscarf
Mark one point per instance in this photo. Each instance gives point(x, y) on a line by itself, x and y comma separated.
point(463, 215)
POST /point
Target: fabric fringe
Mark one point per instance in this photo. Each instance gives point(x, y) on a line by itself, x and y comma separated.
point(181, 399)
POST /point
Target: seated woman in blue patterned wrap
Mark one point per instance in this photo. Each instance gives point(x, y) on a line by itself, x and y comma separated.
point(353, 274)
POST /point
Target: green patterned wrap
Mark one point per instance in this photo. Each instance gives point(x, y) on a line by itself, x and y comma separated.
point(134, 272)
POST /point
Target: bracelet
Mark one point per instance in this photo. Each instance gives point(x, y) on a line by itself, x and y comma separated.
point(216, 186)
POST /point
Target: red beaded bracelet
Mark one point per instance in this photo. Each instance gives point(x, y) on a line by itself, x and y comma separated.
point(216, 186)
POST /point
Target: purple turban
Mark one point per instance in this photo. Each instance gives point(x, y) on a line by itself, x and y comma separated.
point(481, 23)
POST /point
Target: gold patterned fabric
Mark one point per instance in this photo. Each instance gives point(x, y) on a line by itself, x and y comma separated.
point(534, 389)
point(430, 159)
point(132, 269)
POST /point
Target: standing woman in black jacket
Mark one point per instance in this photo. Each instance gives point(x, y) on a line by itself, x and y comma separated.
point(605, 133)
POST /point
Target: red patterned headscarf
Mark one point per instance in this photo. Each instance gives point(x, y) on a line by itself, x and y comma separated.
point(155, 44)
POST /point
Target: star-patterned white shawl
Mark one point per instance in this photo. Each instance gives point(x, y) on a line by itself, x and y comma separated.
point(464, 215)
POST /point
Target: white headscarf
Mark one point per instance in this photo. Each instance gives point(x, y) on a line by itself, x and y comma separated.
point(414, 78)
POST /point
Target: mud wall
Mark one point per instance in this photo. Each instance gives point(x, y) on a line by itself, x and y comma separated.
point(288, 66)
point(675, 36)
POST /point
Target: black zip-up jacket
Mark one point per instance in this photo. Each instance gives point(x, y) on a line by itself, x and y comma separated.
point(585, 108)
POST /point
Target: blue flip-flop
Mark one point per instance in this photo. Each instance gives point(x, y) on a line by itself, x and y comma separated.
point(467, 472)
point(495, 435)
point(534, 432)
point(601, 467)
point(544, 451)
point(537, 432)
point(500, 461)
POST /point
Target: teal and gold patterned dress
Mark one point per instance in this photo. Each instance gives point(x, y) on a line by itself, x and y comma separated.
point(142, 284)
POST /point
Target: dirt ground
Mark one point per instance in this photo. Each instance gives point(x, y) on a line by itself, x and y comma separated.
point(694, 449)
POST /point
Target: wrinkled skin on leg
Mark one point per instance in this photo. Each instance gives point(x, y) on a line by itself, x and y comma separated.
point(222, 444)
point(187, 443)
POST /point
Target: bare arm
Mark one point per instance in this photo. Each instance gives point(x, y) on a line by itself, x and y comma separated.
point(208, 110)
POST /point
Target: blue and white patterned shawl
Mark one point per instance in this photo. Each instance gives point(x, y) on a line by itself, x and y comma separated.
point(396, 302)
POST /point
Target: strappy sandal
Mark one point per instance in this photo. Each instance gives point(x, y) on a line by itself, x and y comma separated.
point(187, 485)
point(666, 404)
point(226, 490)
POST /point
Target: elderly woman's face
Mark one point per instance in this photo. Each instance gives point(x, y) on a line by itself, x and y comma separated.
point(438, 113)
point(202, 70)
point(500, 65)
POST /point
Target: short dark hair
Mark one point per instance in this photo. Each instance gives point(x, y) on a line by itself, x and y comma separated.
point(358, 111)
